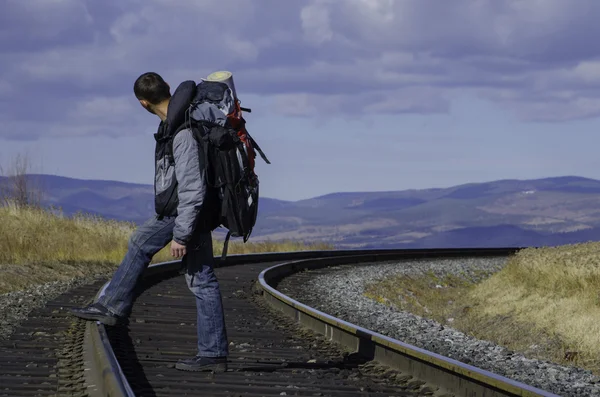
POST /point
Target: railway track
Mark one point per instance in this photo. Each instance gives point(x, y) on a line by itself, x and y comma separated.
point(278, 346)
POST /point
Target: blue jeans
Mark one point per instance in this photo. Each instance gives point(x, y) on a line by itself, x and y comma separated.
point(201, 280)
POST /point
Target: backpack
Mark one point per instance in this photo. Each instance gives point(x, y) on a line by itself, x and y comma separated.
point(215, 119)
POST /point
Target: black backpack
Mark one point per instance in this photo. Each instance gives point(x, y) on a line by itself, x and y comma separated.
point(215, 119)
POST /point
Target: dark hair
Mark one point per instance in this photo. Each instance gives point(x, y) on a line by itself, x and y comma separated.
point(151, 87)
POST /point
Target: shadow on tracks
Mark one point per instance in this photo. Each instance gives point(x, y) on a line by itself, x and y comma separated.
point(124, 349)
point(124, 346)
point(350, 361)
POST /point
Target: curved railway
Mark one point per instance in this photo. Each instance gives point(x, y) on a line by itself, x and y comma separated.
point(278, 346)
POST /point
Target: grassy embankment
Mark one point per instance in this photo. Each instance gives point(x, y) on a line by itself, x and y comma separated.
point(544, 303)
point(37, 246)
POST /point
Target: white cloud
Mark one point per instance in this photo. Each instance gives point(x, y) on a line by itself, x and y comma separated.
point(115, 109)
point(316, 24)
point(44, 19)
point(6, 88)
point(409, 100)
point(538, 58)
point(588, 71)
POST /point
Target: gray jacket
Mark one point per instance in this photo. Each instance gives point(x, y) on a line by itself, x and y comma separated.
point(179, 183)
point(191, 184)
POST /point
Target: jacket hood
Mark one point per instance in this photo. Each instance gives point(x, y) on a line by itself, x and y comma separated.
point(178, 105)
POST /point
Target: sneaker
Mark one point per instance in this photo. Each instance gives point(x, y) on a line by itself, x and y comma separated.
point(97, 312)
point(198, 363)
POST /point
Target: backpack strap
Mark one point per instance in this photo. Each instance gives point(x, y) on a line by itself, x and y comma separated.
point(258, 149)
point(169, 146)
point(225, 247)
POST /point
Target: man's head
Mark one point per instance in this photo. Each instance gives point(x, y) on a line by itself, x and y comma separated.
point(153, 93)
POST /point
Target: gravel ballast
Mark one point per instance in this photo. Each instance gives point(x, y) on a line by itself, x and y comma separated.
point(339, 292)
point(16, 306)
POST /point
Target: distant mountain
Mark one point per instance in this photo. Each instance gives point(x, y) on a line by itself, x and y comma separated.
point(537, 212)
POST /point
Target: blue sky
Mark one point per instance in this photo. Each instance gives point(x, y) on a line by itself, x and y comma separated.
point(347, 95)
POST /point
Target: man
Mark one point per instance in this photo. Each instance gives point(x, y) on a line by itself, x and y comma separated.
point(180, 192)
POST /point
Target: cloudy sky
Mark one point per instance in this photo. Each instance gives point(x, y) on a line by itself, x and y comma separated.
point(346, 95)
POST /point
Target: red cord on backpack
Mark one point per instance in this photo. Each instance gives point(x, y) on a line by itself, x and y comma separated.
point(239, 124)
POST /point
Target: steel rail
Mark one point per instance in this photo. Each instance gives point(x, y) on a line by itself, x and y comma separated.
point(451, 375)
point(105, 377)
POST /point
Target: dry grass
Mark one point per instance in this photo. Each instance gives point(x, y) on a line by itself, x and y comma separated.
point(545, 303)
point(427, 295)
point(38, 246)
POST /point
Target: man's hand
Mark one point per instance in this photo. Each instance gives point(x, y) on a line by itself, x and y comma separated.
point(177, 250)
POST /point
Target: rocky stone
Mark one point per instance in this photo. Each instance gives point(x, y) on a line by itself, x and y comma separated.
point(339, 292)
